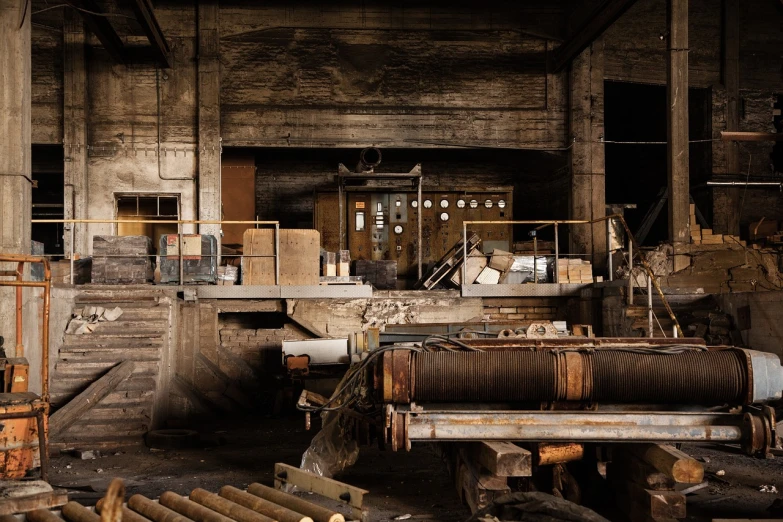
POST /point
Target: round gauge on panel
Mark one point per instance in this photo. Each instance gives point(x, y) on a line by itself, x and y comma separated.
point(488, 203)
point(473, 203)
point(502, 203)
point(444, 216)
point(427, 203)
point(415, 203)
point(398, 229)
point(460, 203)
point(444, 203)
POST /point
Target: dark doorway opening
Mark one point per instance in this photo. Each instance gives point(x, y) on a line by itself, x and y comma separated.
point(48, 196)
point(636, 172)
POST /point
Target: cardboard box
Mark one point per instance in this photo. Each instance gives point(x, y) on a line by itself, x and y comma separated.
point(501, 260)
point(344, 263)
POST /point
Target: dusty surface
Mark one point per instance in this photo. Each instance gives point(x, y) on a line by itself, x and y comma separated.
point(415, 483)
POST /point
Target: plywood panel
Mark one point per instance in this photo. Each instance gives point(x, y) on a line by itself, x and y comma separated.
point(238, 196)
point(299, 257)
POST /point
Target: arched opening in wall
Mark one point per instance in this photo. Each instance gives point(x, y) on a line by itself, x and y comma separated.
point(636, 172)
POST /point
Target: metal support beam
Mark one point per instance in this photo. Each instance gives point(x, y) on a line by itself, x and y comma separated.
point(604, 15)
point(145, 15)
point(100, 26)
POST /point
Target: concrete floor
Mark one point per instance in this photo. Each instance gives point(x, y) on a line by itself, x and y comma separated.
point(415, 483)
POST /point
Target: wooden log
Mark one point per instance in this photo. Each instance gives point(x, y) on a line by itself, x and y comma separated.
point(66, 416)
point(674, 463)
point(503, 459)
point(154, 511)
point(627, 467)
point(559, 453)
point(190, 509)
point(294, 503)
point(226, 507)
point(265, 507)
point(75, 512)
point(127, 514)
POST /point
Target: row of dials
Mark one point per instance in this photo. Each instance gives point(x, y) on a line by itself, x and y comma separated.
point(444, 203)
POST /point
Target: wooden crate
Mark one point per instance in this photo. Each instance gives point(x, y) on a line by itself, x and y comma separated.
point(300, 251)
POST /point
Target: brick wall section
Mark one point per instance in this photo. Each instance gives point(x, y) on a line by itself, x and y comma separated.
point(259, 348)
point(523, 309)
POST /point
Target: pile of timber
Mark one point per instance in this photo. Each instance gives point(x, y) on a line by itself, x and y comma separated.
point(259, 503)
point(705, 236)
point(574, 270)
point(104, 383)
point(645, 477)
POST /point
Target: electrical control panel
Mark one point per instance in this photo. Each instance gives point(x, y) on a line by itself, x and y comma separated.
point(382, 225)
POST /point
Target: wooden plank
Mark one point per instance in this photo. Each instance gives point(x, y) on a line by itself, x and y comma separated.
point(629, 468)
point(63, 418)
point(51, 499)
point(299, 257)
point(502, 458)
point(674, 463)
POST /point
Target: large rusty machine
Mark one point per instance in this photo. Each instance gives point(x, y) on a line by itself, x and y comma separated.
point(384, 216)
point(567, 389)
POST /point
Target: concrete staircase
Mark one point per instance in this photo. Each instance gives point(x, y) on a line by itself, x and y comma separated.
point(141, 335)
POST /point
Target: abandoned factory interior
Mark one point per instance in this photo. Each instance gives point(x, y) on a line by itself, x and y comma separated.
point(378, 260)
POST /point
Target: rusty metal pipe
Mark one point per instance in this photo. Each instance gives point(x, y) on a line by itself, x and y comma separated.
point(19, 305)
point(270, 509)
point(317, 513)
point(559, 453)
point(127, 514)
point(190, 509)
point(42, 515)
point(75, 512)
point(226, 507)
point(154, 511)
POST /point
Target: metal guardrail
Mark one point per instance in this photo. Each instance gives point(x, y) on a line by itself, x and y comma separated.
point(652, 280)
point(179, 223)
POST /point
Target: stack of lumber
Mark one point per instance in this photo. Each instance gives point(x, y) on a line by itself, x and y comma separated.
point(645, 476)
point(300, 253)
point(574, 270)
point(122, 260)
point(705, 236)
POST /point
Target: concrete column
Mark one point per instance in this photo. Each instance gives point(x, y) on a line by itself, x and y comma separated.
point(586, 117)
point(209, 117)
point(726, 200)
point(75, 130)
point(677, 129)
point(15, 150)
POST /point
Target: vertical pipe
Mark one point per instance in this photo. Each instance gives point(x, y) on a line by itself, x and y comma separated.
point(45, 336)
point(277, 254)
point(181, 257)
point(649, 306)
point(43, 450)
point(609, 248)
point(73, 227)
point(419, 250)
point(19, 305)
point(535, 259)
point(557, 257)
point(630, 271)
point(341, 211)
point(464, 252)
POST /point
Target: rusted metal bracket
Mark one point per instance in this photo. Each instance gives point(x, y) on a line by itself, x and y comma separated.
point(330, 488)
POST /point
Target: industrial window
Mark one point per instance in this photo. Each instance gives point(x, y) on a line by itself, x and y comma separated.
point(147, 207)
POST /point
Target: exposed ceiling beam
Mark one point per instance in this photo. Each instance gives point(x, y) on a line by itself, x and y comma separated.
point(100, 26)
point(146, 17)
point(604, 15)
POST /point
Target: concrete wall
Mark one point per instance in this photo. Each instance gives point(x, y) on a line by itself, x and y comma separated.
point(764, 332)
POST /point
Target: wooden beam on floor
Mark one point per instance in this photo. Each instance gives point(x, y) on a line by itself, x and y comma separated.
point(503, 459)
point(66, 416)
point(678, 466)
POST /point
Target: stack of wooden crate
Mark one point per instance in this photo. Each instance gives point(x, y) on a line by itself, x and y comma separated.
point(704, 236)
point(574, 270)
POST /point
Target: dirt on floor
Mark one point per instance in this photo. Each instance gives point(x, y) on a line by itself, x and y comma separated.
point(415, 483)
